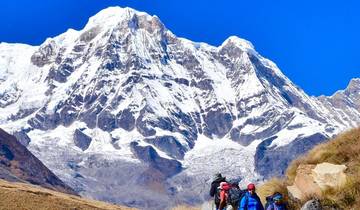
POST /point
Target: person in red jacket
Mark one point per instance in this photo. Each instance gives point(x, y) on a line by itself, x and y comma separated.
point(224, 189)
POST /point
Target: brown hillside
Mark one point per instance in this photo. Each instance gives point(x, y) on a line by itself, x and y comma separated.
point(20, 196)
point(344, 149)
point(18, 164)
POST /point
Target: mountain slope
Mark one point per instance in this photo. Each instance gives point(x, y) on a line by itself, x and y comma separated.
point(342, 150)
point(18, 164)
point(125, 106)
point(14, 196)
point(345, 102)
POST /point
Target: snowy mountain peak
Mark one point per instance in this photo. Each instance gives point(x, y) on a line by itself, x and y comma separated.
point(126, 98)
point(111, 16)
point(352, 88)
point(354, 84)
point(114, 16)
point(238, 42)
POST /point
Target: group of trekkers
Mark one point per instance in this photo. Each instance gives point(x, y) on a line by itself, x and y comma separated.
point(228, 195)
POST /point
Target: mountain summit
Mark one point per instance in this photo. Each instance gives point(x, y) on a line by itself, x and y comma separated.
point(125, 111)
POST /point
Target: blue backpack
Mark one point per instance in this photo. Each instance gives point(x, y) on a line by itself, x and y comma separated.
point(270, 202)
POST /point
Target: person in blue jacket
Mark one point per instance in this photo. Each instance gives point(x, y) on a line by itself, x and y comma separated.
point(250, 201)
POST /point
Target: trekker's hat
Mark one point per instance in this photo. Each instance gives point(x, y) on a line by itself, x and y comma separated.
point(224, 186)
point(277, 197)
point(251, 186)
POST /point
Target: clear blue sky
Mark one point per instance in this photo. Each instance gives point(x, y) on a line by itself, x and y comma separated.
point(316, 43)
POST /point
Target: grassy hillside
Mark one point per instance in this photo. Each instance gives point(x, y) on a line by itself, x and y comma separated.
point(15, 196)
point(344, 149)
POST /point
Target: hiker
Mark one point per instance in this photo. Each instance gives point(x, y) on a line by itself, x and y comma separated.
point(224, 194)
point(275, 202)
point(230, 195)
point(234, 195)
point(214, 188)
point(251, 201)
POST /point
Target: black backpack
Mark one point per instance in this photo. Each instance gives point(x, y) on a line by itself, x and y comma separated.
point(217, 195)
point(234, 196)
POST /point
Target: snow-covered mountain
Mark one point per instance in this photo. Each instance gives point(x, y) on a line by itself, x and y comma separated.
point(125, 111)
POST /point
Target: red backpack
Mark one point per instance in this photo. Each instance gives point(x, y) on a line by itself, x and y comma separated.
point(225, 187)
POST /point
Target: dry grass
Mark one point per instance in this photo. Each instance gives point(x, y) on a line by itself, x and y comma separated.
point(270, 187)
point(277, 185)
point(186, 208)
point(344, 149)
point(19, 196)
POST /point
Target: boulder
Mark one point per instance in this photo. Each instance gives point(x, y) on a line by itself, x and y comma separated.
point(313, 204)
point(305, 182)
point(328, 175)
point(311, 180)
point(295, 193)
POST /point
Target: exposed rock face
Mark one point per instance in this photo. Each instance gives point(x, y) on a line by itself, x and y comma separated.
point(272, 161)
point(192, 108)
point(22, 137)
point(45, 54)
point(81, 140)
point(148, 154)
point(169, 145)
point(18, 164)
point(126, 120)
point(346, 102)
point(217, 123)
